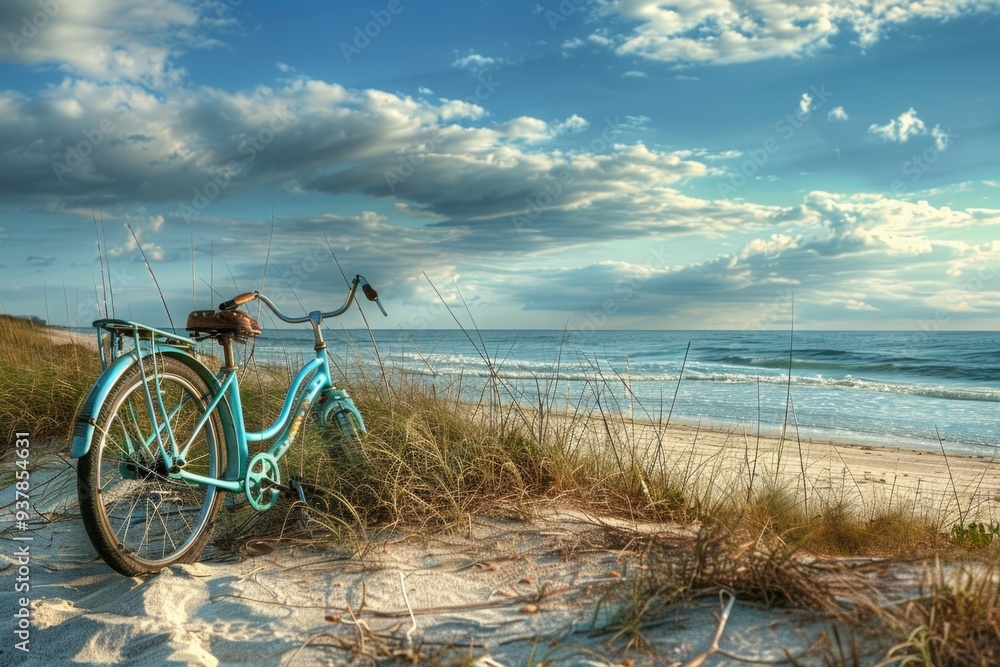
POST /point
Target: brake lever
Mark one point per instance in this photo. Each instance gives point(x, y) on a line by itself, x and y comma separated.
point(372, 295)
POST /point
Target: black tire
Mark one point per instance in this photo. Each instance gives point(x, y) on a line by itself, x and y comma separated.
point(138, 518)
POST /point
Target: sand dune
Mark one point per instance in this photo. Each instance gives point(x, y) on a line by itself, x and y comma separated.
point(503, 592)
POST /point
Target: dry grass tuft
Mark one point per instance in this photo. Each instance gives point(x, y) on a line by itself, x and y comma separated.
point(757, 567)
point(834, 526)
point(41, 381)
point(955, 623)
point(745, 566)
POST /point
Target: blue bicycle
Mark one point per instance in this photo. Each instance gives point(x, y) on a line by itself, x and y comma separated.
point(160, 438)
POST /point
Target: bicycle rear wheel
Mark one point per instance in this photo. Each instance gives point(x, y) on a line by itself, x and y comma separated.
point(138, 517)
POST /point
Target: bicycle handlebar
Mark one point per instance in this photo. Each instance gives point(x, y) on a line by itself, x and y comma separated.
point(247, 297)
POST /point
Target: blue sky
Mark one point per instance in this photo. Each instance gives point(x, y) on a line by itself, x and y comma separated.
point(582, 164)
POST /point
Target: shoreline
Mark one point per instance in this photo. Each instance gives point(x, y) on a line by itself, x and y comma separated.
point(868, 475)
point(66, 336)
point(915, 432)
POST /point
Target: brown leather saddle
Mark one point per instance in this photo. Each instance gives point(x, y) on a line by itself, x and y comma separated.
point(234, 324)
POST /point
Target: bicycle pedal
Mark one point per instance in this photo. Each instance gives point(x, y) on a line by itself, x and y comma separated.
point(296, 486)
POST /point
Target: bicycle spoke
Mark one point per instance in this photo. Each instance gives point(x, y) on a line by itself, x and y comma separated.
point(126, 524)
point(151, 518)
point(153, 510)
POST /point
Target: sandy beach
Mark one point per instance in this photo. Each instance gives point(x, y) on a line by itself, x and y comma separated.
point(502, 592)
point(716, 459)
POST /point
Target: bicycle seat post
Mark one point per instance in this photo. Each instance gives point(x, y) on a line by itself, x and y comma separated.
point(227, 348)
point(316, 318)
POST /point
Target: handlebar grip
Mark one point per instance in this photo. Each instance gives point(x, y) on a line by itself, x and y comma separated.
point(246, 297)
point(370, 292)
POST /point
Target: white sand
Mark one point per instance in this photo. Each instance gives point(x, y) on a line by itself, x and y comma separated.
point(65, 337)
point(868, 476)
point(309, 607)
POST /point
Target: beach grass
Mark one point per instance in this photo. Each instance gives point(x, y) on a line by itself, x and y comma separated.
point(434, 461)
point(432, 458)
point(955, 621)
point(42, 380)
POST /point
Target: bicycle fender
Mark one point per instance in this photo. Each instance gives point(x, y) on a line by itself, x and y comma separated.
point(86, 417)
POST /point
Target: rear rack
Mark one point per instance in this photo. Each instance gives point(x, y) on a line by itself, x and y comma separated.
point(139, 332)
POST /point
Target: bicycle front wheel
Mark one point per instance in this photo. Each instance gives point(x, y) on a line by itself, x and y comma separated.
point(139, 518)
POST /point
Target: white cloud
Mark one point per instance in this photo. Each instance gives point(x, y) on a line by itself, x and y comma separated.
point(107, 40)
point(89, 140)
point(634, 122)
point(805, 104)
point(942, 138)
point(451, 109)
point(424, 90)
point(527, 129)
point(723, 155)
point(837, 114)
point(635, 74)
point(572, 124)
point(855, 304)
point(475, 61)
point(334, 139)
point(733, 31)
point(909, 125)
point(834, 249)
point(143, 226)
point(601, 38)
point(899, 129)
point(533, 130)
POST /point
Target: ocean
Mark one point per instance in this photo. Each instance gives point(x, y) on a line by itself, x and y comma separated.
point(914, 389)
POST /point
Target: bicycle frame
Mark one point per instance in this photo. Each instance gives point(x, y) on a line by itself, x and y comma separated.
point(286, 427)
point(311, 380)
